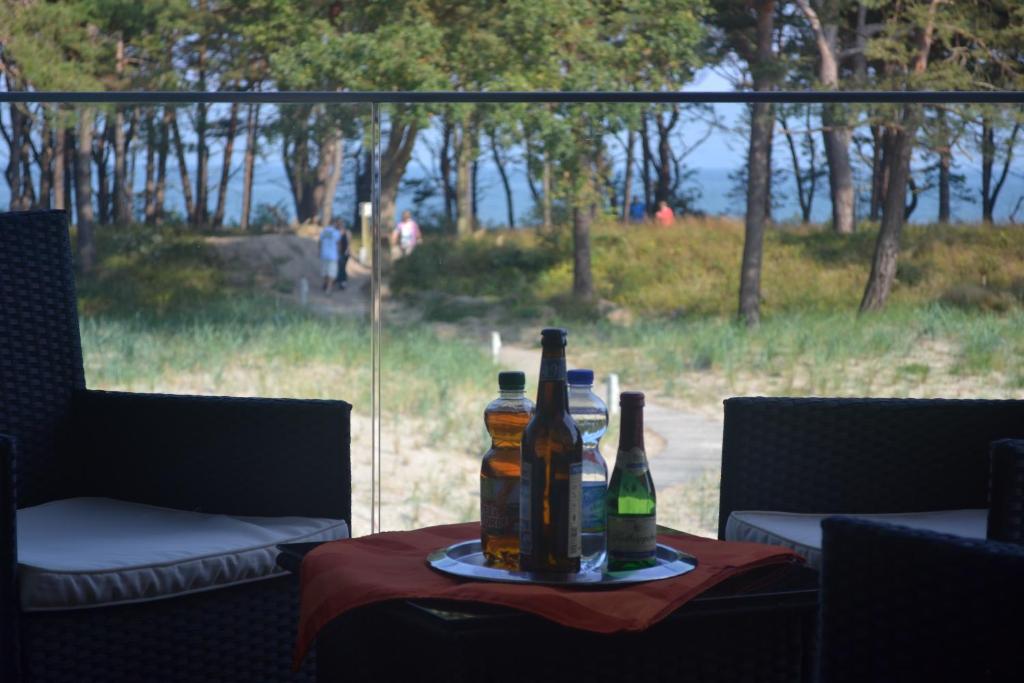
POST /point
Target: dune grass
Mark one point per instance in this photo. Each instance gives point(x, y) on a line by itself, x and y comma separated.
point(692, 269)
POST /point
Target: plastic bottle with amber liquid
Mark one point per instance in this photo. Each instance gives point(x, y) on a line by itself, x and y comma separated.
point(550, 493)
point(505, 418)
point(632, 525)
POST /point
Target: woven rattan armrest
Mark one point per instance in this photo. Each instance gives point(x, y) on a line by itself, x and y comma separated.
point(857, 455)
point(8, 564)
point(242, 456)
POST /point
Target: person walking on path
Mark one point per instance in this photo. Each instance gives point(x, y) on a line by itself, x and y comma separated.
point(637, 211)
point(406, 234)
point(665, 216)
point(344, 245)
point(330, 236)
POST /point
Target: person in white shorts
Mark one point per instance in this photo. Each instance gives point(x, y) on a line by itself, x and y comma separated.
point(328, 242)
point(406, 234)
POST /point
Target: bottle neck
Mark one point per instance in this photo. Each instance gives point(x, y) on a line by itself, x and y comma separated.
point(511, 393)
point(631, 429)
point(552, 389)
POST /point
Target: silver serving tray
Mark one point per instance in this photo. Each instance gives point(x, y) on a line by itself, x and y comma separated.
point(466, 559)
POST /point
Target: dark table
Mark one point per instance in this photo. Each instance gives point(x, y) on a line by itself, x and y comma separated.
point(764, 635)
point(757, 627)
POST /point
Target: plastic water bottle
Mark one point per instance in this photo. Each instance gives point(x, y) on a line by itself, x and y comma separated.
point(591, 416)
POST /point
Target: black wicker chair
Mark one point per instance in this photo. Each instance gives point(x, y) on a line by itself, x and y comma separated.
point(860, 455)
point(257, 457)
point(907, 605)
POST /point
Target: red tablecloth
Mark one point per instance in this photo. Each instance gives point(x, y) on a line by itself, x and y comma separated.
point(342, 575)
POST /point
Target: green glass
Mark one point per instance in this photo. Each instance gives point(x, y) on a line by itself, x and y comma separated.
point(632, 503)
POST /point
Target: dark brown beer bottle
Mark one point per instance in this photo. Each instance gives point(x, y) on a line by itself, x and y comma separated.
point(550, 503)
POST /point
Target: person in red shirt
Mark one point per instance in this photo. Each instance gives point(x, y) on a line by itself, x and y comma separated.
point(665, 215)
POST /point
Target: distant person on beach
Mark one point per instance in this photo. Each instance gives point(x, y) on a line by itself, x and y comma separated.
point(406, 234)
point(665, 216)
point(330, 236)
point(344, 244)
point(637, 211)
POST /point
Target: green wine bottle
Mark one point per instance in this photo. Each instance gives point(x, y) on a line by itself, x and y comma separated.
point(632, 529)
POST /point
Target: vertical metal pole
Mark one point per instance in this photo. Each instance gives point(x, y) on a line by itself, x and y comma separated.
point(375, 325)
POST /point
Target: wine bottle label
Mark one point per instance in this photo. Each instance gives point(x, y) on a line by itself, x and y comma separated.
point(633, 460)
point(632, 537)
point(499, 506)
point(552, 369)
point(525, 527)
point(575, 509)
point(593, 506)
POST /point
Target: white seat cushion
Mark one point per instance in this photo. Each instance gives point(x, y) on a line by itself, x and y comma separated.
point(89, 552)
point(802, 532)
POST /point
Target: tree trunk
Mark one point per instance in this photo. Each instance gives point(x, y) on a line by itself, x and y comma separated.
point(446, 175)
point(59, 163)
point(69, 168)
point(225, 171)
point(498, 162)
point(758, 172)
point(122, 191)
point(83, 192)
point(990, 190)
point(333, 158)
point(546, 188)
point(249, 162)
point(474, 188)
point(887, 248)
point(394, 158)
point(879, 179)
point(988, 157)
point(835, 133)
point(582, 277)
point(45, 162)
point(627, 189)
point(945, 164)
point(161, 164)
point(186, 184)
point(837, 139)
point(149, 195)
point(464, 154)
point(645, 146)
point(664, 165)
point(200, 208)
point(798, 175)
point(19, 177)
point(100, 155)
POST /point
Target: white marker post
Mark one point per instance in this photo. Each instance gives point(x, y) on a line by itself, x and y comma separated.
point(365, 214)
point(495, 345)
point(303, 291)
point(613, 394)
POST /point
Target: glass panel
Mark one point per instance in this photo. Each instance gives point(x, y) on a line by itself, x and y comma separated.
point(203, 274)
point(502, 195)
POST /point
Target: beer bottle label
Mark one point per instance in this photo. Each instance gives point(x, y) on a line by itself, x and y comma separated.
point(632, 538)
point(633, 460)
point(525, 526)
point(575, 509)
point(552, 369)
point(593, 506)
point(499, 506)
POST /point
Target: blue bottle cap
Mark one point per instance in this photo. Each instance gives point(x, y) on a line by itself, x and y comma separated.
point(580, 377)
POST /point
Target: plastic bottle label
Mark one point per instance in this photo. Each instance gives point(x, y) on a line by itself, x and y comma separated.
point(525, 528)
point(499, 506)
point(593, 506)
point(632, 537)
point(633, 461)
point(552, 369)
point(575, 509)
